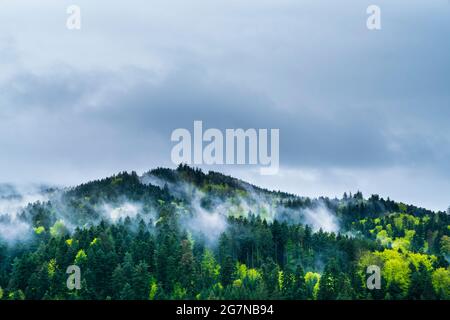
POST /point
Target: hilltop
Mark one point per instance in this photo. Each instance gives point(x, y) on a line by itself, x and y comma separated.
point(184, 233)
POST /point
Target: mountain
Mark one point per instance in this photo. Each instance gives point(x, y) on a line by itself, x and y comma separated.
point(184, 233)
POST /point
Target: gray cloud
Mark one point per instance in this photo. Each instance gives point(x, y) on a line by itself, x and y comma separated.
point(107, 98)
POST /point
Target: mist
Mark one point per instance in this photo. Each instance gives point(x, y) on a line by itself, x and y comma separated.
point(321, 218)
point(124, 210)
point(201, 213)
point(205, 214)
point(13, 200)
point(209, 224)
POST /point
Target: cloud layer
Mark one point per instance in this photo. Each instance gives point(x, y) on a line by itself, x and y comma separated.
point(356, 109)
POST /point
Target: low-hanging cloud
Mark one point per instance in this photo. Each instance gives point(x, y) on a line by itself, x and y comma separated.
point(124, 210)
point(321, 217)
point(13, 200)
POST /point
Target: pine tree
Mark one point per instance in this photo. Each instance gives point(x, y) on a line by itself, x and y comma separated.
point(300, 284)
point(188, 273)
point(141, 281)
point(328, 284)
point(227, 271)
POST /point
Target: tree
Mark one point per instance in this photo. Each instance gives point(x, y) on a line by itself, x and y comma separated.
point(300, 284)
point(312, 282)
point(210, 269)
point(441, 283)
point(38, 284)
point(445, 246)
point(288, 287)
point(118, 280)
point(421, 286)
point(80, 258)
point(394, 291)
point(328, 287)
point(227, 271)
point(188, 273)
point(270, 276)
point(141, 281)
point(127, 292)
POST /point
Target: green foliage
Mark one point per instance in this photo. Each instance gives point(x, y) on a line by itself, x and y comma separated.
point(81, 257)
point(58, 229)
point(441, 283)
point(312, 282)
point(210, 269)
point(445, 245)
point(153, 256)
point(51, 268)
point(39, 230)
point(153, 289)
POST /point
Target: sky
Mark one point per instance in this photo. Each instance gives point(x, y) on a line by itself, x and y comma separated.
point(357, 109)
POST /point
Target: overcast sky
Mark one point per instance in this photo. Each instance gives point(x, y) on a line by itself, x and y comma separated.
point(357, 109)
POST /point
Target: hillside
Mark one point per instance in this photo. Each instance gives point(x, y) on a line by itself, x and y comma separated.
point(188, 234)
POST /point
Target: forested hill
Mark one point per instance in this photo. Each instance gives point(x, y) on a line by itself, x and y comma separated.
point(186, 234)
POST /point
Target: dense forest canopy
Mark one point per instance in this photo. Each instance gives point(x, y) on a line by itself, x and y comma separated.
point(186, 234)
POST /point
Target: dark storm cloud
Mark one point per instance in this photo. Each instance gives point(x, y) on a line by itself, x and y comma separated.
point(121, 115)
point(77, 105)
point(308, 137)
